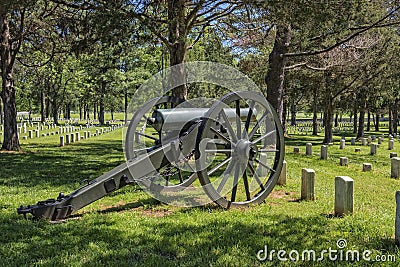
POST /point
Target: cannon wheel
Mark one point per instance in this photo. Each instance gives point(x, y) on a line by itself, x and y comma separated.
point(247, 167)
point(142, 138)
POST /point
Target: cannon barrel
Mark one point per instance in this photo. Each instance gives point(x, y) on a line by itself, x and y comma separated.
point(181, 118)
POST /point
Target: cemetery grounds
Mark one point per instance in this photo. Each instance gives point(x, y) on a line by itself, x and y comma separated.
point(129, 228)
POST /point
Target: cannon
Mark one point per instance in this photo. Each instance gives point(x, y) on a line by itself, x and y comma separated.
point(232, 150)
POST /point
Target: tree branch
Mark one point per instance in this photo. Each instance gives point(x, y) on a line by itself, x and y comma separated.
point(345, 40)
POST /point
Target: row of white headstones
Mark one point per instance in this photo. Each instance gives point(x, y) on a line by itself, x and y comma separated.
point(344, 185)
point(76, 136)
point(72, 133)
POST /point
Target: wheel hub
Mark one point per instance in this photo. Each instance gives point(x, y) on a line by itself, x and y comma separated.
point(245, 150)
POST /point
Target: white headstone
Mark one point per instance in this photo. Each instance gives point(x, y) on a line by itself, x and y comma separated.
point(373, 149)
point(344, 161)
point(307, 184)
point(344, 191)
point(282, 176)
point(308, 149)
point(342, 144)
point(395, 167)
point(391, 144)
point(324, 152)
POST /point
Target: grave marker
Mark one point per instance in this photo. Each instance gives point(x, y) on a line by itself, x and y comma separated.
point(397, 220)
point(344, 192)
point(364, 141)
point(344, 161)
point(282, 176)
point(324, 152)
point(373, 149)
point(307, 184)
point(367, 167)
point(342, 144)
point(395, 167)
point(308, 149)
point(353, 141)
point(391, 144)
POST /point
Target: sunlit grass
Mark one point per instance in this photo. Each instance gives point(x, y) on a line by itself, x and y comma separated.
point(129, 228)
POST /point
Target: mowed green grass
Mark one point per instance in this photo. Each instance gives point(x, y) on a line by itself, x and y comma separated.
point(129, 228)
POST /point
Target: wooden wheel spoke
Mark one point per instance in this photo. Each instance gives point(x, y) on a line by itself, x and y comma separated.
point(235, 183)
point(263, 136)
point(248, 119)
point(228, 126)
point(257, 126)
point(225, 178)
point(210, 172)
point(238, 120)
point(255, 175)
point(146, 135)
point(220, 135)
point(264, 165)
point(246, 185)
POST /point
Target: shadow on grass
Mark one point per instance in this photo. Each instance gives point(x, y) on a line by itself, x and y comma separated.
point(56, 166)
point(300, 140)
point(203, 240)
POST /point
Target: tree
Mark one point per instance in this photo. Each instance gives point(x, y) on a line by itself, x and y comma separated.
point(316, 28)
point(172, 22)
point(22, 23)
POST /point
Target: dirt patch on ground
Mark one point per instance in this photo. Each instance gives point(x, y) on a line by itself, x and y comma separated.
point(281, 194)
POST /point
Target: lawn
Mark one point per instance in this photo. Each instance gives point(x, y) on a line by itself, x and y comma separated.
point(129, 228)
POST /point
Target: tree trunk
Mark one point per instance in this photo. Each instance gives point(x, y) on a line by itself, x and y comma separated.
point(54, 109)
point(377, 115)
point(361, 123)
point(10, 141)
point(178, 46)
point(94, 110)
point(42, 106)
point(284, 115)
point(355, 121)
point(336, 120)
point(7, 57)
point(315, 112)
point(328, 121)
point(293, 114)
point(1, 112)
point(369, 121)
point(47, 113)
point(80, 111)
point(126, 105)
point(68, 111)
point(361, 120)
point(395, 115)
point(276, 69)
point(84, 110)
point(390, 120)
point(101, 110)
